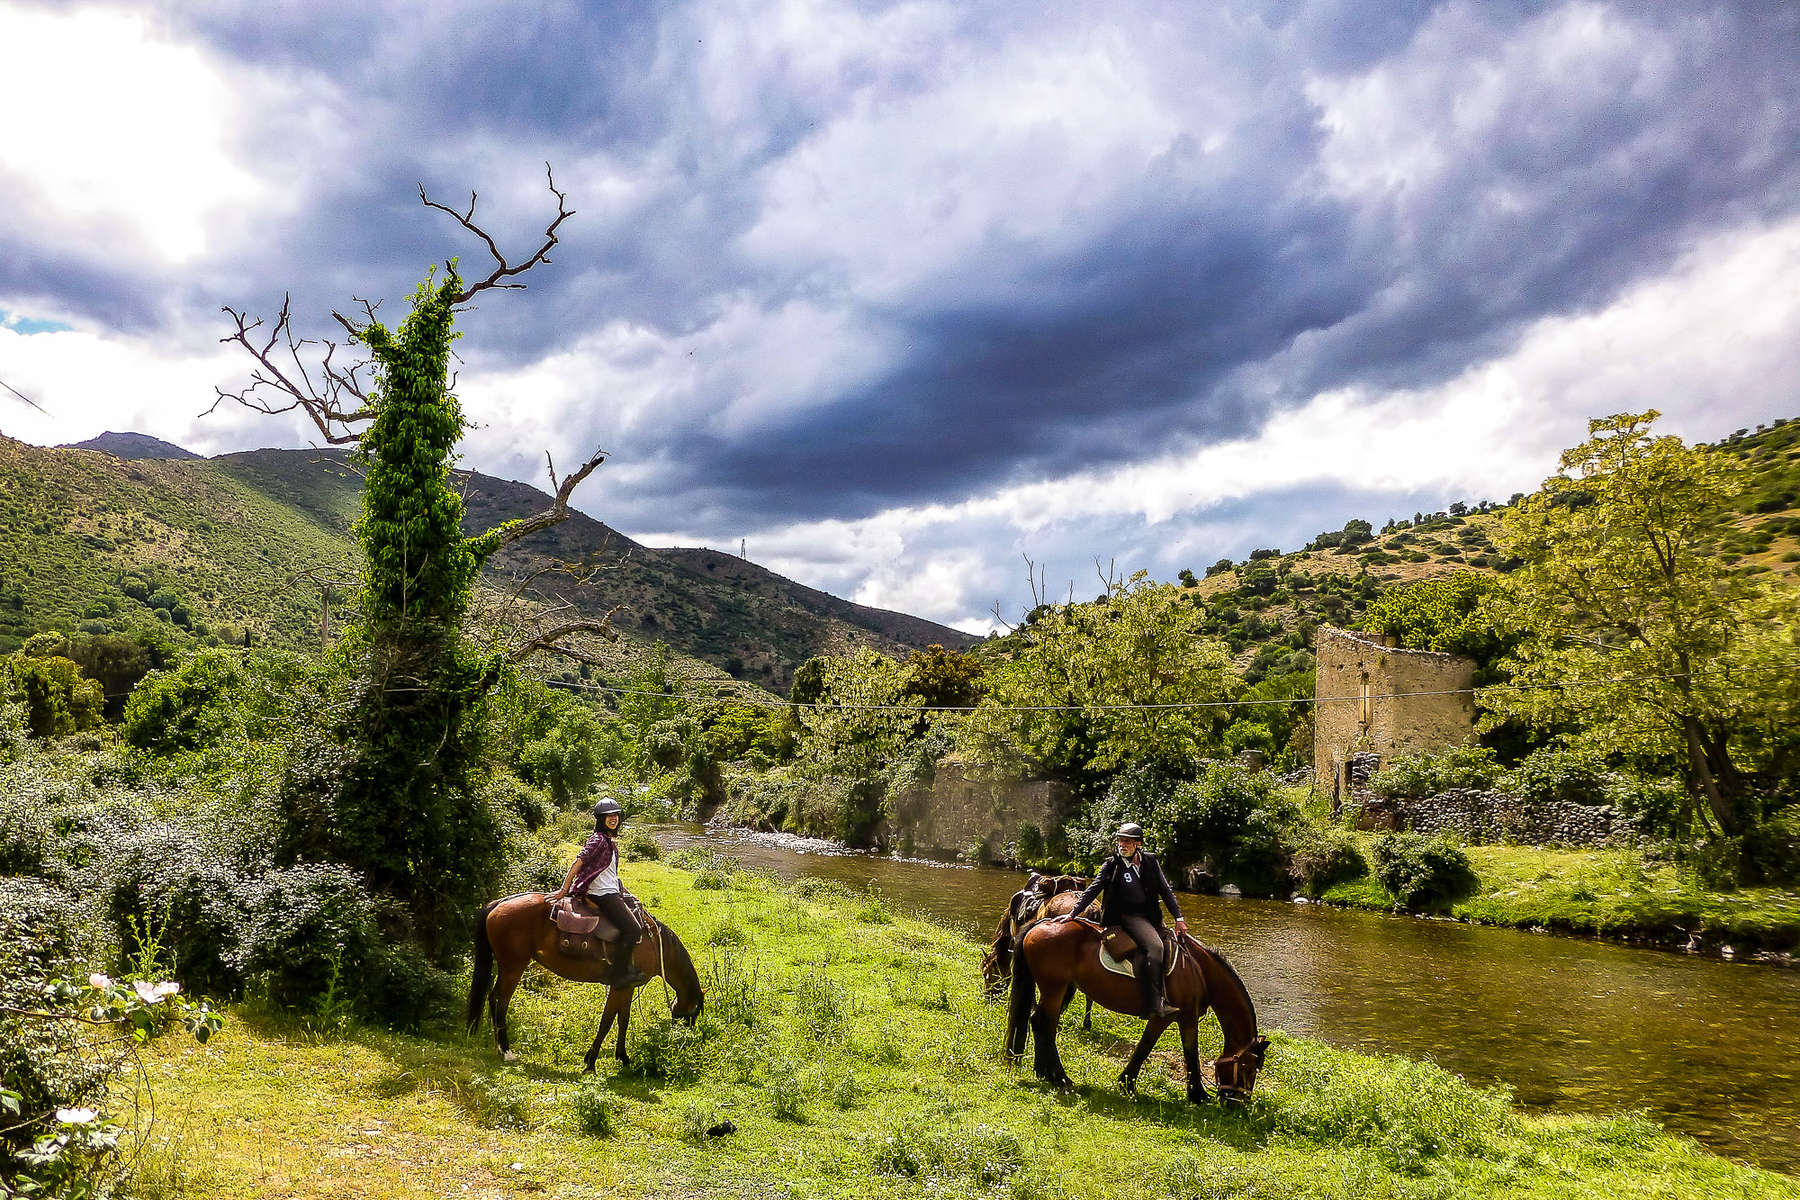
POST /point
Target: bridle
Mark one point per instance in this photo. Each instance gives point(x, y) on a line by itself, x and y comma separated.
point(1234, 1074)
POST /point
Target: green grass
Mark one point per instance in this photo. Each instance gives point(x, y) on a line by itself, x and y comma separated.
point(1607, 893)
point(854, 1059)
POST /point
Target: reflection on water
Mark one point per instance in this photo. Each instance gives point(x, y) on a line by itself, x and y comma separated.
point(1711, 1049)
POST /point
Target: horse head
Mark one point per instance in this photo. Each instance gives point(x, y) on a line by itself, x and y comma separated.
point(1235, 1074)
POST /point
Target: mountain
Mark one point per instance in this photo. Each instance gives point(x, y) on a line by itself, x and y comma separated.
point(131, 445)
point(240, 544)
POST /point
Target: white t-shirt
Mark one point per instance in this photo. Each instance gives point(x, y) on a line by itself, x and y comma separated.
point(607, 881)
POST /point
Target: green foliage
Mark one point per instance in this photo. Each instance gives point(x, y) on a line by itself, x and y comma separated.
point(665, 1050)
point(638, 846)
point(1417, 776)
point(1323, 857)
point(192, 707)
point(949, 1149)
point(1144, 645)
point(1624, 593)
point(1445, 615)
point(58, 700)
point(940, 678)
point(1570, 774)
point(1422, 872)
point(596, 1109)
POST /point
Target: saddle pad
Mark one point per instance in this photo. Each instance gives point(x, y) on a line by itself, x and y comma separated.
point(1118, 966)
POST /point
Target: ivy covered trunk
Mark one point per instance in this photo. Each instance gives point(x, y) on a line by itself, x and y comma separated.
point(401, 802)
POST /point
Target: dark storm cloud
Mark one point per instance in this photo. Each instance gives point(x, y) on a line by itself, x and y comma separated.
point(1233, 271)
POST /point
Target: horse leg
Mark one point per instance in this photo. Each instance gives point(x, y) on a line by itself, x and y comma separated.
point(607, 1016)
point(498, 999)
point(1153, 1029)
point(1190, 1054)
point(625, 995)
point(1047, 1062)
point(1087, 1018)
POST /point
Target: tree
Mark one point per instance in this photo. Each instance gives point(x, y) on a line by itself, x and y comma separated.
point(1054, 700)
point(1445, 615)
point(57, 699)
point(940, 678)
point(401, 801)
point(1634, 627)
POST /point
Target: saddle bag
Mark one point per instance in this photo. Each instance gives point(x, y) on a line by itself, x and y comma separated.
point(584, 933)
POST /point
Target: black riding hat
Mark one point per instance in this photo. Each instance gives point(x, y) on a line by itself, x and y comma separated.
point(1131, 829)
point(605, 809)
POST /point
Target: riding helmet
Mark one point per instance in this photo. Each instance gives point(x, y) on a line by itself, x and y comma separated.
point(1131, 829)
point(605, 809)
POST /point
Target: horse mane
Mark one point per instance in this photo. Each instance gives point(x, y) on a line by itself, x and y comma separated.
point(1218, 956)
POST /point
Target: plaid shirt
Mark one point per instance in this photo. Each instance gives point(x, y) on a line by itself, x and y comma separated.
point(595, 857)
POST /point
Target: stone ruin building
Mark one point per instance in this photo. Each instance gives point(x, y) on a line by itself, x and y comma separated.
point(1376, 700)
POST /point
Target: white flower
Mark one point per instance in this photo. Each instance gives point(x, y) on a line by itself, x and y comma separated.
point(155, 993)
point(99, 982)
point(77, 1116)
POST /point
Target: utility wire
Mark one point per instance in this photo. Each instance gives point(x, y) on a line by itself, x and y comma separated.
point(967, 708)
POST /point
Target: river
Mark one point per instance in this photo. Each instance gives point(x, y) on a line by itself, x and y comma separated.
point(1709, 1048)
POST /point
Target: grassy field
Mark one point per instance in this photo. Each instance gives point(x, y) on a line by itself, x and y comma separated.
point(854, 1055)
point(1607, 893)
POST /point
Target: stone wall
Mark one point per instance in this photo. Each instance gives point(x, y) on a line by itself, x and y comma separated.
point(1383, 700)
point(959, 810)
point(1486, 817)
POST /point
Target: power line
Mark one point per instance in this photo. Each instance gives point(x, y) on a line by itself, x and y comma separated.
point(1357, 698)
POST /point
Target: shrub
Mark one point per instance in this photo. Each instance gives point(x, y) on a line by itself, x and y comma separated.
point(787, 1093)
point(822, 1006)
point(665, 1050)
point(1416, 776)
point(502, 1100)
point(298, 928)
point(596, 1110)
point(639, 846)
point(190, 708)
point(981, 1154)
point(1234, 819)
point(873, 910)
point(1422, 872)
point(1773, 848)
point(1322, 857)
point(1548, 774)
point(57, 698)
point(518, 799)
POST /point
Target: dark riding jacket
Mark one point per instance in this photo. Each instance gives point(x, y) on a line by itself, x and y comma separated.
point(1127, 887)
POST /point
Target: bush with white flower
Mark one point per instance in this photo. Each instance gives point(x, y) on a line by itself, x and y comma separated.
point(64, 1152)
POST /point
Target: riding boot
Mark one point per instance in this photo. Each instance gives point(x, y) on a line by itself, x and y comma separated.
point(1159, 1003)
point(624, 971)
point(1147, 989)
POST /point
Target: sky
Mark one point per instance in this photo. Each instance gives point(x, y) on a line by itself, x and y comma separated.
point(897, 296)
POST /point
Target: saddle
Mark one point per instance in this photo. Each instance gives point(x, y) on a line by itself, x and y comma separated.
point(1117, 946)
point(583, 932)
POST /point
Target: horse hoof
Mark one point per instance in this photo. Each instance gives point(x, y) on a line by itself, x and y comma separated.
point(587, 1067)
point(1128, 1085)
point(509, 1056)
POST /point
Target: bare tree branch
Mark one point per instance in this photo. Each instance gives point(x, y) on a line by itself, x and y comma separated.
point(504, 270)
point(550, 640)
point(558, 512)
point(281, 381)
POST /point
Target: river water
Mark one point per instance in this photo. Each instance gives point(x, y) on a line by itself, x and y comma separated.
point(1709, 1048)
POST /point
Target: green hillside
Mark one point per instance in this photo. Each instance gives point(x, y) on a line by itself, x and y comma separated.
point(236, 545)
point(1266, 606)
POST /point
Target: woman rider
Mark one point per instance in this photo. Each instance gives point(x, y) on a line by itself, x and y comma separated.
point(595, 875)
point(1133, 890)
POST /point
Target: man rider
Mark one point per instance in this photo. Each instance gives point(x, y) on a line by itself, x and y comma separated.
point(1133, 890)
point(595, 874)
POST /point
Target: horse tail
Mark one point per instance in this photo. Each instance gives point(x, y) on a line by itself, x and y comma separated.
point(1024, 994)
point(482, 978)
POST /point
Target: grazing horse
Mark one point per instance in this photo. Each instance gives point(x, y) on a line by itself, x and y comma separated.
point(1055, 957)
point(511, 933)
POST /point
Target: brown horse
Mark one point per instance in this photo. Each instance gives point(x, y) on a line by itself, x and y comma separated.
point(1055, 957)
point(1043, 897)
point(513, 932)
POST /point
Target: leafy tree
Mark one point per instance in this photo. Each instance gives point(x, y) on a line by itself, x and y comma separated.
point(1186, 575)
point(1077, 666)
point(395, 791)
point(192, 707)
point(1635, 629)
point(860, 731)
point(940, 678)
point(57, 699)
point(1445, 615)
